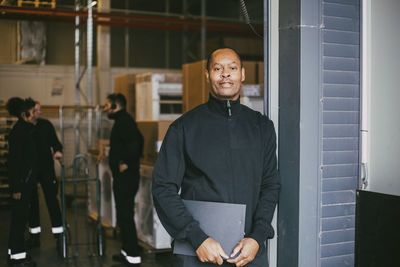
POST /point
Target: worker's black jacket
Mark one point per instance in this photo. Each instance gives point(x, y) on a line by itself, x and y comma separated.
point(47, 143)
point(22, 157)
point(220, 154)
point(126, 142)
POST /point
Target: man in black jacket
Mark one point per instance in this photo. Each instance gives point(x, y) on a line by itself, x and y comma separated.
point(48, 149)
point(220, 151)
point(126, 148)
point(22, 171)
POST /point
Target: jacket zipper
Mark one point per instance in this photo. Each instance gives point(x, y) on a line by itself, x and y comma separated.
point(228, 105)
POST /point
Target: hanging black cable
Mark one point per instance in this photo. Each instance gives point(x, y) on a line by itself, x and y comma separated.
point(245, 14)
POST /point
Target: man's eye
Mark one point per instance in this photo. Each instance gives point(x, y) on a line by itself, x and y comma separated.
point(217, 69)
point(233, 68)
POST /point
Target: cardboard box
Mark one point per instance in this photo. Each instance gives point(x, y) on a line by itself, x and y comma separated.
point(196, 87)
point(150, 87)
point(153, 133)
point(144, 93)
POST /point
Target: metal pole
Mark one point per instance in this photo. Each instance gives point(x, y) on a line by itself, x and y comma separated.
point(77, 45)
point(89, 51)
point(126, 39)
point(267, 53)
point(90, 132)
point(203, 29)
point(184, 34)
point(98, 121)
point(167, 38)
point(61, 119)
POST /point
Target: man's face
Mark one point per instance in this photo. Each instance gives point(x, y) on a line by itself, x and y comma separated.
point(31, 118)
point(107, 107)
point(38, 112)
point(225, 75)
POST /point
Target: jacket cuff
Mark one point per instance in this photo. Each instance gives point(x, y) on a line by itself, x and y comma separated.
point(258, 237)
point(197, 237)
point(261, 235)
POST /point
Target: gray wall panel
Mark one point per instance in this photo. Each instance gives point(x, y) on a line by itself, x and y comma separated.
point(341, 50)
point(338, 236)
point(338, 210)
point(337, 197)
point(337, 223)
point(337, 171)
point(340, 261)
point(341, 90)
point(337, 184)
point(343, 130)
point(341, 63)
point(341, 24)
point(337, 249)
point(340, 10)
point(341, 117)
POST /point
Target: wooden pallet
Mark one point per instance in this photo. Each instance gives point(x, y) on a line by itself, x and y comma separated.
point(37, 3)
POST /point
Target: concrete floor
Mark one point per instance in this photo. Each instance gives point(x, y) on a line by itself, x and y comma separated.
point(47, 256)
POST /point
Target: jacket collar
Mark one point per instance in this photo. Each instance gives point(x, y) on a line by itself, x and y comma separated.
point(117, 115)
point(226, 108)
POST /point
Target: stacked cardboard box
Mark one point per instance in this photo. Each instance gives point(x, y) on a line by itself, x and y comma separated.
point(196, 87)
point(144, 93)
point(153, 132)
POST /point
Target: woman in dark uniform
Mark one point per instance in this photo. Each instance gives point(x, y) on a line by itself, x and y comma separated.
point(22, 177)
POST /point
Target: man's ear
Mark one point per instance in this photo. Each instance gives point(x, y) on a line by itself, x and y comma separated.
point(243, 75)
point(207, 75)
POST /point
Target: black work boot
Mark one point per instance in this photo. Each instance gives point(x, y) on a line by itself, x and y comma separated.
point(33, 241)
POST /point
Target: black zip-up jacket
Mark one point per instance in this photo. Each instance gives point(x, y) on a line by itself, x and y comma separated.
point(126, 142)
point(22, 157)
point(220, 151)
point(47, 143)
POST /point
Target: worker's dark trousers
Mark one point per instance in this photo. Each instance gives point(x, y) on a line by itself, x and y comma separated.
point(125, 186)
point(49, 186)
point(19, 218)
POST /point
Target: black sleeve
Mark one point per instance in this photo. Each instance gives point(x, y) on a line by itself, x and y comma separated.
point(167, 179)
point(132, 140)
point(53, 139)
point(270, 186)
point(14, 161)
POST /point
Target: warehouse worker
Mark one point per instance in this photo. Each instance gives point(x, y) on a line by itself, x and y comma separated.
point(48, 149)
point(126, 148)
point(220, 151)
point(22, 177)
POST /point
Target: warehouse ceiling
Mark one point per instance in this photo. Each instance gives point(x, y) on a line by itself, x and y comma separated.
point(144, 33)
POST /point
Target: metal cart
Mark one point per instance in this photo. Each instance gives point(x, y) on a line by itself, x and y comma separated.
point(69, 241)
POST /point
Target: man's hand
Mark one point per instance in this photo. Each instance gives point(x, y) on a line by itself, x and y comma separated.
point(123, 167)
point(211, 251)
point(16, 196)
point(248, 248)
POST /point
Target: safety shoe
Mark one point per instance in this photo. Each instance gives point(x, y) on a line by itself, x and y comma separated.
point(122, 259)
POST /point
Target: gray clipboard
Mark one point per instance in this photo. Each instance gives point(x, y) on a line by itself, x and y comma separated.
point(224, 222)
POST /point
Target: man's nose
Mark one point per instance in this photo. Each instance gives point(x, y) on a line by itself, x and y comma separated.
point(226, 74)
